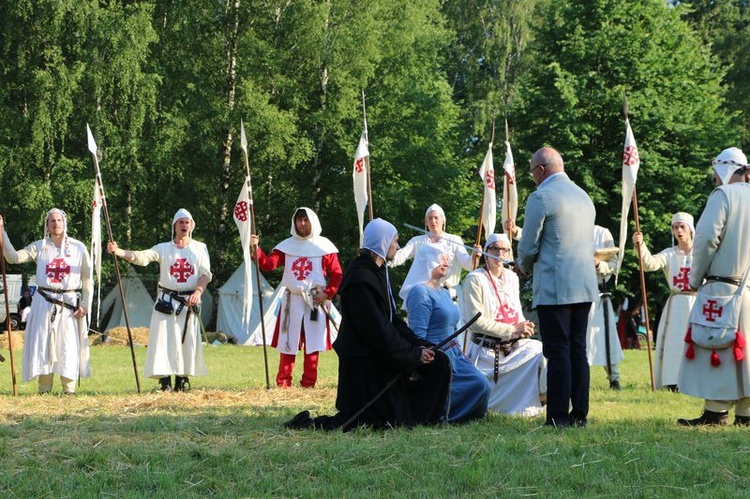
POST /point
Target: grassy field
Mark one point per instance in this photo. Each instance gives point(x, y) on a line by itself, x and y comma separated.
point(224, 438)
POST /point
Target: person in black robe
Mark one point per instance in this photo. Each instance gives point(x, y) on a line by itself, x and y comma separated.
point(375, 346)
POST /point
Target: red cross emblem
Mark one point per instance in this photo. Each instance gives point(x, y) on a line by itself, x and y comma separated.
point(359, 165)
point(489, 178)
point(301, 268)
point(506, 314)
point(681, 280)
point(57, 270)
point(241, 210)
point(181, 270)
point(630, 156)
point(711, 309)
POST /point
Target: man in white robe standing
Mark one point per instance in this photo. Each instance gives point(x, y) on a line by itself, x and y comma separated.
point(602, 343)
point(721, 255)
point(312, 275)
point(56, 337)
point(175, 346)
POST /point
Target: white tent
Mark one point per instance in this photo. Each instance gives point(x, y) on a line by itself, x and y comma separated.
point(229, 315)
point(140, 303)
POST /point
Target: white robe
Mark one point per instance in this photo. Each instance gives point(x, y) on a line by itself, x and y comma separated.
point(596, 346)
point(58, 346)
point(522, 373)
point(180, 269)
point(674, 318)
point(722, 248)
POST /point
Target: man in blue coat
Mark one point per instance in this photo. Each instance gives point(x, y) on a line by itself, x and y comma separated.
point(556, 245)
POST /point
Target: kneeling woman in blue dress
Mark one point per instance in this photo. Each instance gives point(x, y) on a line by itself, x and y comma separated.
point(433, 315)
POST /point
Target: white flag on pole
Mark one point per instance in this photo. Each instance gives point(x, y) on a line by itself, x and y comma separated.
point(243, 219)
point(510, 190)
point(359, 177)
point(631, 162)
point(96, 248)
point(489, 207)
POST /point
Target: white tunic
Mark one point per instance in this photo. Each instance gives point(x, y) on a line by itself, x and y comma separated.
point(674, 318)
point(174, 346)
point(522, 375)
point(722, 248)
point(55, 341)
point(301, 274)
point(596, 346)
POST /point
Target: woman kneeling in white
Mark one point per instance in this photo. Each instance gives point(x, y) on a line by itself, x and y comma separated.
point(500, 346)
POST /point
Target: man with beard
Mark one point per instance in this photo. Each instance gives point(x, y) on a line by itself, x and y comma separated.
point(375, 347)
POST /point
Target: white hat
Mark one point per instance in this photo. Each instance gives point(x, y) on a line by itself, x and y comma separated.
point(437, 208)
point(183, 213)
point(65, 229)
point(727, 162)
point(686, 218)
point(315, 228)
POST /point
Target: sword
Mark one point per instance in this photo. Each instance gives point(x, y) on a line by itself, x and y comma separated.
point(506, 263)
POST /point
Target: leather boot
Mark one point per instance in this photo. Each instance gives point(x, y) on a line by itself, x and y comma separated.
point(166, 384)
point(741, 420)
point(300, 421)
point(708, 418)
point(181, 384)
point(615, 385)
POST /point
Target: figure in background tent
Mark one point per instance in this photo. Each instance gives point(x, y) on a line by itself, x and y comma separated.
point(376, 348)
point(602, 343)
point(501, 346)
point(56, 337)
point(557, 242)
point(721, 260)
point(447, 244)
point(629, 321)
point(675, 262)
point(433, 317)
point(24, 307)
point(174, 342)
point(312, 275)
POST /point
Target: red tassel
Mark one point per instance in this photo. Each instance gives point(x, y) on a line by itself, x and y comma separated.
point(715, 360)
point(739, 347)
point(689, 335)
point(690, 352)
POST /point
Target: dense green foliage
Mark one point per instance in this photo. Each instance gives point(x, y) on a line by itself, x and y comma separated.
point(164, 85)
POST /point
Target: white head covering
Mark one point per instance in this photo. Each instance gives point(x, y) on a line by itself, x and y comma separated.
point(315, 228)
point(313, 245)
point(378, 236)
point(685, 218)
point(495, 238)
point(437, 208)
point(183, 213)
point(425, 260)
point(727, 162)
point(65, 229)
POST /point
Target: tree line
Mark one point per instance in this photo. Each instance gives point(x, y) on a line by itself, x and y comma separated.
point(164, 85)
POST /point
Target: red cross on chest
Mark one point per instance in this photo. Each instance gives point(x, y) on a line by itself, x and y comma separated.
point(181, 270)
point(57, 270)
point(712, 310)
point(681, 280)
point(301, 268)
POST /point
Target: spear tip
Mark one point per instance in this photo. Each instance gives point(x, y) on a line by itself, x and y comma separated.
point(91, 141)
point(243, 137)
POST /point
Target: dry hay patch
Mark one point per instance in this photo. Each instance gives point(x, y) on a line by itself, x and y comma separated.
point(118, 336)
point(16, 338)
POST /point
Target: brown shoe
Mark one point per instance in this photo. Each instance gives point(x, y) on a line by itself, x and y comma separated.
point(741, 420)
point(708, 418)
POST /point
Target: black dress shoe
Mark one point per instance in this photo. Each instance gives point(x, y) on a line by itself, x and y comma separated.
point(741, 420)
point(165, 383)
point(708, 418)
point(299, 422)
point(615, 385)
point(558, 423)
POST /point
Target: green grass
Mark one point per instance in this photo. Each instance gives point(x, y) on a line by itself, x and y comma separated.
point(224, 438)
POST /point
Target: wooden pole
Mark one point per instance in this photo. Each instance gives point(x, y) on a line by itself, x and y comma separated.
point(643, 290)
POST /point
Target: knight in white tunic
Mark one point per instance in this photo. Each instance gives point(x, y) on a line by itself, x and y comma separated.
point(602, 342)
point(500, 346)
point(721, 257)
point(312, 275)
point(56, 337)
point(175, 345)
point(675, 262)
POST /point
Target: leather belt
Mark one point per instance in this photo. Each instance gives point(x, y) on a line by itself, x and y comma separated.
point(726, 280)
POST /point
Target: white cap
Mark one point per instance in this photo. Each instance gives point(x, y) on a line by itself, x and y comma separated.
point(438, 209)
point(183, 213)
point(378, 236)
point(686, 218)
point(727, 162)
